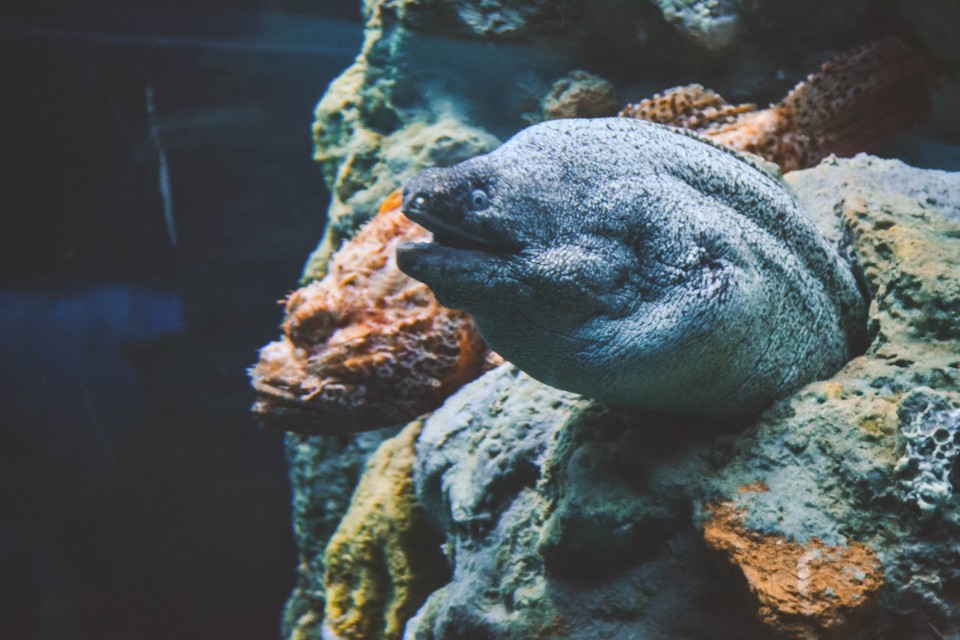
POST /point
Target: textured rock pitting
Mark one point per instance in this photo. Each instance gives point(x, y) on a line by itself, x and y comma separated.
point(565, 520)
point(930, 438)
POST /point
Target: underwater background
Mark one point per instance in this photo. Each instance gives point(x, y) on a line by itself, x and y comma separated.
point(160, 196)
point(138, 498)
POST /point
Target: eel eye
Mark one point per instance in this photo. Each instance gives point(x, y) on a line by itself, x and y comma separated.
point(479, 199)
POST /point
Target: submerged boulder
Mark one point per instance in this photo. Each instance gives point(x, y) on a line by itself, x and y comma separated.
point(565, 519)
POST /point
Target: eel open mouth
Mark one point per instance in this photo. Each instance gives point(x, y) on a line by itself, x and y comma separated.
point(451, 236)
point(454, 237)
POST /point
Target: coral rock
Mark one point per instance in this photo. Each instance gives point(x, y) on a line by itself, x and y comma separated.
point(384, 559)
point(324, 472)
point(566, 520)
point(852, 103)
point(577, 95)
point(366, 346)
point(804, 590)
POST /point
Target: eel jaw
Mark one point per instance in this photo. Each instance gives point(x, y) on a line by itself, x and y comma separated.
point(458, 277)
point(454, 252)
point(454, 237)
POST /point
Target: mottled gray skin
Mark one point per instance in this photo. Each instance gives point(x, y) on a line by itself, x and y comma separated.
point(638, 265)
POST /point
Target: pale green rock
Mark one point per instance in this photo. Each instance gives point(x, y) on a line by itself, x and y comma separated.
point(564, 519)
point(405, 103)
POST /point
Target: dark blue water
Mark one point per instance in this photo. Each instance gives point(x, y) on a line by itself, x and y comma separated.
point(138, 499)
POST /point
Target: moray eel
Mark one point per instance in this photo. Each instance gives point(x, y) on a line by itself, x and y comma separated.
point(637, 264)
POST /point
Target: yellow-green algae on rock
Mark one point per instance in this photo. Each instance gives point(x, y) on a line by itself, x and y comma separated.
point(384, 559)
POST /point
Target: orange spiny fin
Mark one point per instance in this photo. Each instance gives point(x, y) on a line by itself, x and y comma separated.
point(392, 201)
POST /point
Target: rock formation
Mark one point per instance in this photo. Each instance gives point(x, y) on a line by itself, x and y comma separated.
point(603, 523)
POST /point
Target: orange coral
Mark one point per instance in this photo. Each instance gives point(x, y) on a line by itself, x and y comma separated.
point(366, 346)
point(804, 591)
point(853, 102)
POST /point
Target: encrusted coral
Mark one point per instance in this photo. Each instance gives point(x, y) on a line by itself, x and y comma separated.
point(579, 94)
point(384, 559)
point(366, 346)
point(565, 520)
point(803, 590)
point(365, 143)
point(853, 102)
point(930, 436)
point(828, 455)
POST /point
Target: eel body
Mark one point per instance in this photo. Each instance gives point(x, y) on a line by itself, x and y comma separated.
point(637, 264)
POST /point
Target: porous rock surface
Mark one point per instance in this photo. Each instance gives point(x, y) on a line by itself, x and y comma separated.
point(564, 519)
point(833, 516)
